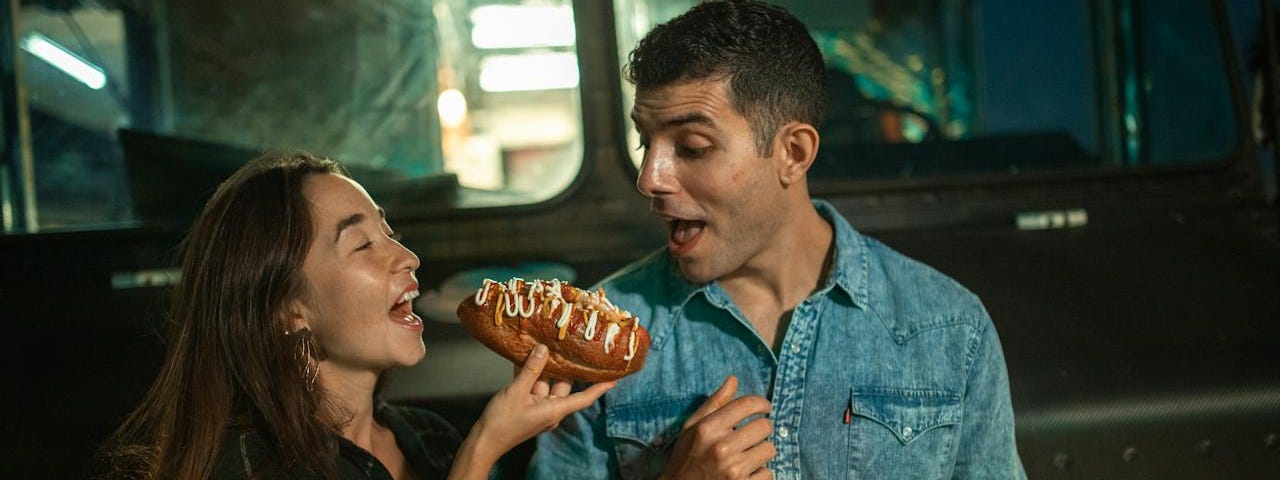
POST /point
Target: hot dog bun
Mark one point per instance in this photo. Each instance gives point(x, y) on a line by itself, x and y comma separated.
point(589, 339)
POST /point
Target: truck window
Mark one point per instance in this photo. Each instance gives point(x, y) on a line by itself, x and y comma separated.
point(432, 105)
point(944, 88)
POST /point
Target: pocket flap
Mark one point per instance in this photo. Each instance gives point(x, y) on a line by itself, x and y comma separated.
point(907, 413)
point(653, 423)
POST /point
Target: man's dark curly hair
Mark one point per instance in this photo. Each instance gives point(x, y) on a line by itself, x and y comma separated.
point(775, 71)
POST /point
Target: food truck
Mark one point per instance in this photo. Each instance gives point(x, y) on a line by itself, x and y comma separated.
point(1096, 172)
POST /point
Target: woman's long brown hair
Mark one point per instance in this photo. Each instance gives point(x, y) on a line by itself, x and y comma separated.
point(229, 360)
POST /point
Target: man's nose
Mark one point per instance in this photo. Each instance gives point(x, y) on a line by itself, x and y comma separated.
point(656, 175)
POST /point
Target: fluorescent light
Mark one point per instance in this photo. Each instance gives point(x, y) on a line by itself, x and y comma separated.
point(65, 60)
point(521, 26)
point(531, 71)
point(452, 106)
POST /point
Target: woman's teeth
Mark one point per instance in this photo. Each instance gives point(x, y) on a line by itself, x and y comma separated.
point(408, 296)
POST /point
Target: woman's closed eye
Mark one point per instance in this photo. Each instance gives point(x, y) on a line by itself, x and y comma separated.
point(365, 245)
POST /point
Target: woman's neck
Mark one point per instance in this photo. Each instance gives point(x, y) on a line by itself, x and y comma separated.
point(352, 392)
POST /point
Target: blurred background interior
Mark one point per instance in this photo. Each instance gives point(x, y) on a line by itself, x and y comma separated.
point(1093, 169)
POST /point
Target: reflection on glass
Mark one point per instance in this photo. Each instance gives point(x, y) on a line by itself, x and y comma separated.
point(947, 87)
point(431, 104)
point(63, 59)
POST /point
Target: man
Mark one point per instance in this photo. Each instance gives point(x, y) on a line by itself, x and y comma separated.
point(851, 360)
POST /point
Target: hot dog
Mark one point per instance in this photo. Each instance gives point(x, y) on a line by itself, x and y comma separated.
point(589, 339)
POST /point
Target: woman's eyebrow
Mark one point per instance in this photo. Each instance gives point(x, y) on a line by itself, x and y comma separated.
point(353, 220)
point(347, 222)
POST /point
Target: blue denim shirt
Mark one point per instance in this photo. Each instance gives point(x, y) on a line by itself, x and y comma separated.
point(890, 370)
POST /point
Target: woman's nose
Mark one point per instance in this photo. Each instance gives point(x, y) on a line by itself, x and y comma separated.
point(406, 259)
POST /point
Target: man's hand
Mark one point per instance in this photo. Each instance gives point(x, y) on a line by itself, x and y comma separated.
point(712, 446)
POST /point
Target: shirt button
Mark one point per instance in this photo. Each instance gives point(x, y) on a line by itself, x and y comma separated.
point(795, 349)
point(906, 432)
point(782, 432)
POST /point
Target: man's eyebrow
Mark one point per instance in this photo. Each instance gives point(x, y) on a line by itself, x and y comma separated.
point(692, 117)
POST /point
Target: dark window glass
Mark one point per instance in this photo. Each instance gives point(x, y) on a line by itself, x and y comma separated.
point(928, 88)
point(138, 108)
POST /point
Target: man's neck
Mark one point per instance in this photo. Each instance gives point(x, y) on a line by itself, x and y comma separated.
point(791, 268)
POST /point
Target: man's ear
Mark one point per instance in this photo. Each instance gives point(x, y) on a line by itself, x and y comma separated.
point(796, 147)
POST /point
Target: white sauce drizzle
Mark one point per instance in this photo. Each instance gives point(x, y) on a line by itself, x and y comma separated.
point(590, 332)
point(565, 313)
point(533, 306)
point(520, 303)
point(609, 334)
point(631, 346)
point(515, 305)
point(512, 308)
point(482, 295)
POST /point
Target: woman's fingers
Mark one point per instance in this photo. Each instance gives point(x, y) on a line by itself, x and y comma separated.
point(560, 407)
point(561, 388)
point(528, 376)
point(585, 398)
point(565, 406)
point(541, 388)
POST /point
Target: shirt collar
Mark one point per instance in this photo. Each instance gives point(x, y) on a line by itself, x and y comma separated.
point(849, 270)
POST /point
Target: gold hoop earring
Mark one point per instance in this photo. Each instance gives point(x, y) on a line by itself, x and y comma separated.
point(304, 354)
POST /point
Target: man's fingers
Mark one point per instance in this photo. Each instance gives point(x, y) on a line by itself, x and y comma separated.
point(718, 399)
point(759, 456)
point(532, 369)
point(730, 415)
point(761, 474)
point(752, 433)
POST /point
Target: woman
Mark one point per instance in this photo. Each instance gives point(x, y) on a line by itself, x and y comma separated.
point(295, 297)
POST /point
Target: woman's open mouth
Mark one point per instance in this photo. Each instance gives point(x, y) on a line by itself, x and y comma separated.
point(402, 312)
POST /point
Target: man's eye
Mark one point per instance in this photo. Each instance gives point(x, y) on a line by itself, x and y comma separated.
point(364, 246)
point(691, 152)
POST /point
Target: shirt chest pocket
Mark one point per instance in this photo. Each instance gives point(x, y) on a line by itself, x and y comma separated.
point(903, 430)
point(643, 432)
